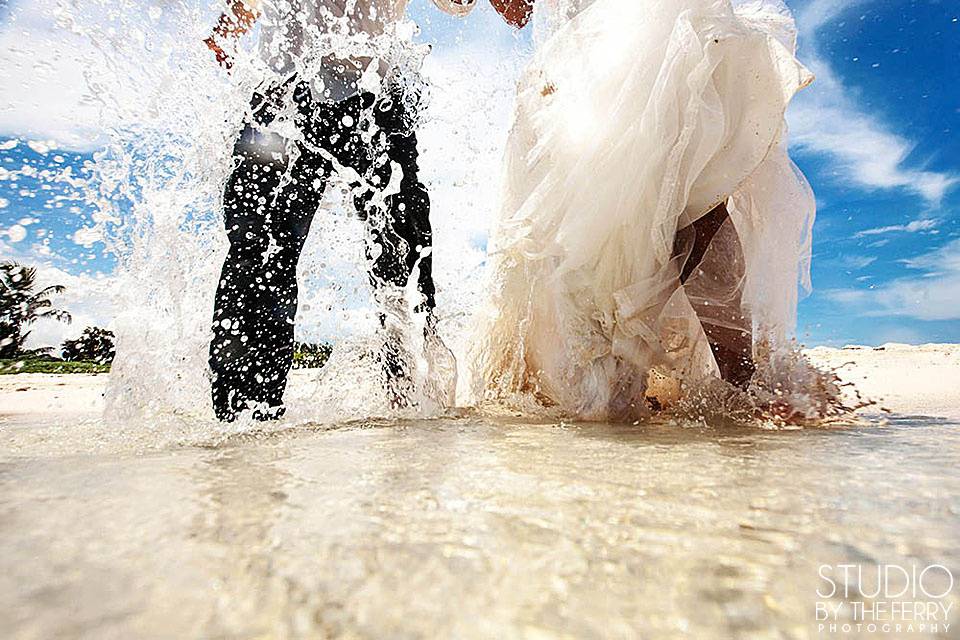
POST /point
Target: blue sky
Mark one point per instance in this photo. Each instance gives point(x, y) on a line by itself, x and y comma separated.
point(876, 135)
point(876, 274)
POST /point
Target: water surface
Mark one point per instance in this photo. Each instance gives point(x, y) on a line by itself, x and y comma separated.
point(467, 527)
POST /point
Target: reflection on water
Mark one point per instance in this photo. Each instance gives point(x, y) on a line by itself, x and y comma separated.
point(470, 528)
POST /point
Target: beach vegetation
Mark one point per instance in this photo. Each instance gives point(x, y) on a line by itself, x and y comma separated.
point(308, 355)
point(48, 364)
point(21, 305)
point(94, 345)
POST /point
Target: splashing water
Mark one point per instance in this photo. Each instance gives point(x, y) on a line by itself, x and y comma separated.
point(171, 117)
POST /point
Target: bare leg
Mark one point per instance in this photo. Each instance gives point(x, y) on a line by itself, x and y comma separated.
point(714, 287)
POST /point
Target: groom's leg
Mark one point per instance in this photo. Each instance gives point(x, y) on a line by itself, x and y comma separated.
point(400, 237)
point(268, 206)
point(403, 234)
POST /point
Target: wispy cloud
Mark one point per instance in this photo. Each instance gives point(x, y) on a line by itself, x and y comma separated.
point(827, 120)
point(944, 260)
point(930, 295)
point(923, 224)
point(857, 262)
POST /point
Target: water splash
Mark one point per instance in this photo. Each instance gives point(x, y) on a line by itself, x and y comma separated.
point(170, 117)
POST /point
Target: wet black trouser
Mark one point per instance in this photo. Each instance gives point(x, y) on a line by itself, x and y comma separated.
point(269, 202)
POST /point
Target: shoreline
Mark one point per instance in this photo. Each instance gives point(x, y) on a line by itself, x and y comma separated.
point(902, 379)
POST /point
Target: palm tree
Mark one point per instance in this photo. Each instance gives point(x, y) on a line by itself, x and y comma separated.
point(21, 306)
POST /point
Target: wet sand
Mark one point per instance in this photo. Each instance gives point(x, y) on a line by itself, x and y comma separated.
point(461, 527)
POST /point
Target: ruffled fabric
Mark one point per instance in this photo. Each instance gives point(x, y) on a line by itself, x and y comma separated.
point(633, 120)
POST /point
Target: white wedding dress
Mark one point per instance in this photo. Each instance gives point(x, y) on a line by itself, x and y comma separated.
point(634, 119)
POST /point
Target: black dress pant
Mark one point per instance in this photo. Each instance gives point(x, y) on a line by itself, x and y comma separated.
point(269, 202)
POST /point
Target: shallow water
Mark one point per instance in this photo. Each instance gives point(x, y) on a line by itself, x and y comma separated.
point(467, 527)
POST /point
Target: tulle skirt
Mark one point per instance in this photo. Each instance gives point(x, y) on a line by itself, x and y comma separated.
point(634, 120)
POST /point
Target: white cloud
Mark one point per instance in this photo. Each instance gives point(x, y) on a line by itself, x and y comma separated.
point(857, 262)
point(931, 295)
point(946, 259)
point(15, 233)
point(826, 119)
point(60, 72)
point(87, 236)
point(88, 297)
point(923, 224)
point(42, 87)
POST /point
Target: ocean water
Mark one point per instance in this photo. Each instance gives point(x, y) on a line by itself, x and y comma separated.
point(465, 526)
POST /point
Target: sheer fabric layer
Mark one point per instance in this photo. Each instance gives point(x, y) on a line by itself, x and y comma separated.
point(633, 120)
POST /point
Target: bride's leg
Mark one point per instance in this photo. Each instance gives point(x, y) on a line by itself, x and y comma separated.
point(712, 274)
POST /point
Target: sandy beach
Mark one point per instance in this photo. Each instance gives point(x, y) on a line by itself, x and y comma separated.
point(470, 527)
point(903, 379)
